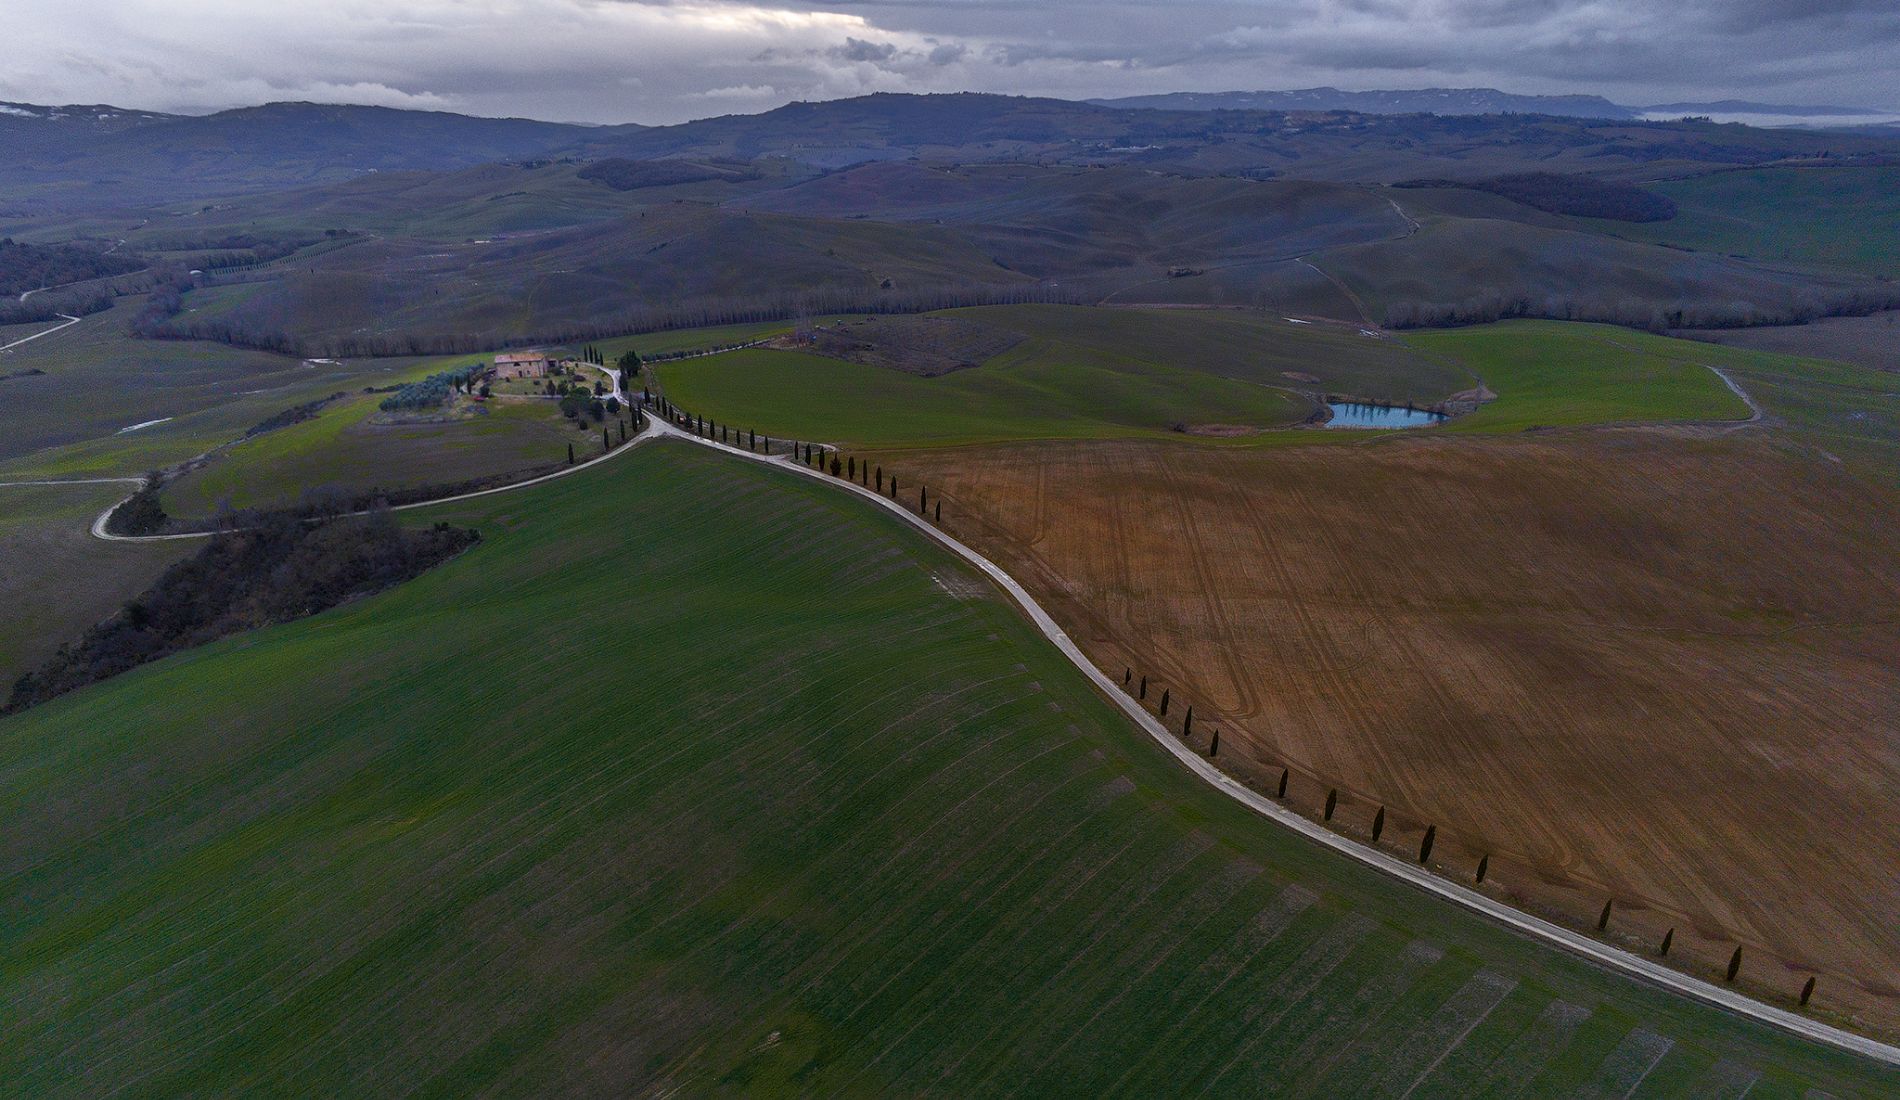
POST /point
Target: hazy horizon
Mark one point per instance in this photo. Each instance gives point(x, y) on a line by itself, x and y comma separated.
point(658, 62)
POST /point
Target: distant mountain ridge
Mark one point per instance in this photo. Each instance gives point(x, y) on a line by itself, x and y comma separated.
point(273, 145)
point(1426, 101)
point(1460, 101)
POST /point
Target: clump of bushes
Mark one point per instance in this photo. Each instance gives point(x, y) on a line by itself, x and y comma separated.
point(280, 570)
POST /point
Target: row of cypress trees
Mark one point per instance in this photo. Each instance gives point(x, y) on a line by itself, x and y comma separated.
point(1139, 688)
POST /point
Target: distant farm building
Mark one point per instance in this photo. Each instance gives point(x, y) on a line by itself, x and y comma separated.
point(525, 364)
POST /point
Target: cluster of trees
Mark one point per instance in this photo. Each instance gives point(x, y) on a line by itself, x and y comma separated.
point(579, 402)
point(77, 302)
point(296, 414)
point(622, 174)
point(433, 390)
point(25, 267)
point(280, 570)
point(1798, 308)
point(1577, 195)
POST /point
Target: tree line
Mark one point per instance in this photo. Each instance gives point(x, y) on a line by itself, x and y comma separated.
point(1798, 308)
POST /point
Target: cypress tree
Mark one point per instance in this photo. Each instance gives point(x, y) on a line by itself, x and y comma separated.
point(1669, 937)
point(835, 465)
point(1283, 775)
point(1735, 963)
point(570, 454)
point(880, 479)
point(1144, 688)
point(1603, 918)
point(1425, 849)
point(1128, 675)
point(1378, 824)
point(752, 439)
point(851, 467)
point(768, 444)
point(604, 444)
point(939, 517)
point(1332, 800)
point(1164, 702)
point(1187, 723)
point(1214, 745)
point(893, 486)
point(1807, 991)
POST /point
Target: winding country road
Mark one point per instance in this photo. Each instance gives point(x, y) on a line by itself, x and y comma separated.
point(1603, 954)
point(70, 322)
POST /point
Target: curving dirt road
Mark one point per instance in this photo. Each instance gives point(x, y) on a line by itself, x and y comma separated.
point(1603, 954)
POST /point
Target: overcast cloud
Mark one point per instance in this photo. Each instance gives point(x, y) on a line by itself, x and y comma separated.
point(648, 61)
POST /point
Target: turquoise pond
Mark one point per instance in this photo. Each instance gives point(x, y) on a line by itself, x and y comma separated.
point(1353, 414)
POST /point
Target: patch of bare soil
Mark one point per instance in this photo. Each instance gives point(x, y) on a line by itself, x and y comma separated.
point(1654, 670)
point(1299, 376)
point(924, 345)
point(1222, 430)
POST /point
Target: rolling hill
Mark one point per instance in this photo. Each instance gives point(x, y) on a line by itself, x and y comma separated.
point(773, 796)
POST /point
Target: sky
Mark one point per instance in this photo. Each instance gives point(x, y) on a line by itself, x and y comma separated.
point(651, 61)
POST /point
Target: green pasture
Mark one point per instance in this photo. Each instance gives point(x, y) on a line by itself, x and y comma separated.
point(1027, 393)
point(1847, 218)
point(55, 578)
point(695, 778)
point(1555, 374)
point(345, 447)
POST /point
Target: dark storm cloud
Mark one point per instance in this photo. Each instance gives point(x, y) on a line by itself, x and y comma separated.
point(666, 60)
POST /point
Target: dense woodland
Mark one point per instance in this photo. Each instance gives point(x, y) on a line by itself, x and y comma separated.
point(1575, 195)
point(622, 174)
point(25, 267)
point(280, 570)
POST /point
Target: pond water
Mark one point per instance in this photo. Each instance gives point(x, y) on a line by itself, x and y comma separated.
point(1352, 414)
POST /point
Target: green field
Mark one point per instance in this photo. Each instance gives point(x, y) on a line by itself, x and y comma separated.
point(99, 380)
point(1841, 217)
point(344, 447)
point(55, 578)
point(1093, 373)
point(1554, 374)
point(643, 796)
point(1078, 373)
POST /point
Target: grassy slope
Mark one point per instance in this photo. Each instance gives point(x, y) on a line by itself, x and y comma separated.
point(98, 380)
point(1552, 373)
point(842, 824)
point(1092, 373)
point(340, 447)
point(55, 578)
point(1081, 373)
point(1842, 217)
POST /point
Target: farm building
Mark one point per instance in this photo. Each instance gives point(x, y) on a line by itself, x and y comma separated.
point(524, 364)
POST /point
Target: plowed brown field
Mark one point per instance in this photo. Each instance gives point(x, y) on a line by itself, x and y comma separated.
point(1660, 670)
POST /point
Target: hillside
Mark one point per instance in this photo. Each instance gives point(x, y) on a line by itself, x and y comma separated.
point(796, 805)
point(130, 156)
